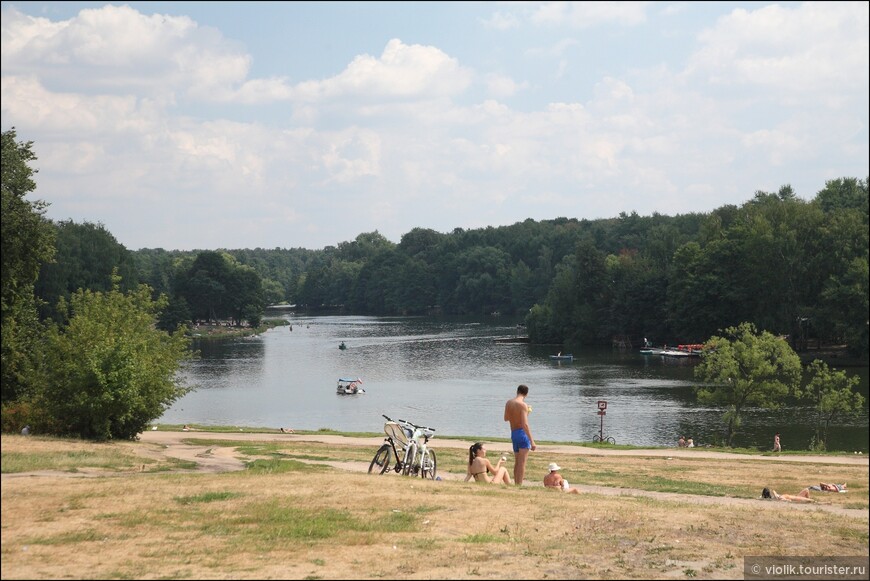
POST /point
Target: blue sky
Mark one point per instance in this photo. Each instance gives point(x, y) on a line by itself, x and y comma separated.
point(204, 125)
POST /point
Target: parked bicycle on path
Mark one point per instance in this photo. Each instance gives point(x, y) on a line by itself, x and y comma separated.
point(406, 447)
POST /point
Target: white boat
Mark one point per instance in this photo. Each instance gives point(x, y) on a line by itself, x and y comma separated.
point(676, 353)
point(349, 387)
point(560, 357)
point(651, 351)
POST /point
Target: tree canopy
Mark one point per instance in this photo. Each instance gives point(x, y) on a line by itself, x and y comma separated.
point(26, 242)
point(744, 367)
point(109, 372)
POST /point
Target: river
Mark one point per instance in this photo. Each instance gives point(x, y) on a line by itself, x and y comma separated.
point(451, 374)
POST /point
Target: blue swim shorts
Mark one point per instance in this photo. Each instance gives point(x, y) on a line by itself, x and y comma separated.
point(520, 439)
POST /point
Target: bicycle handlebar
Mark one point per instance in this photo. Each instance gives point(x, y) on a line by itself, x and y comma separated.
point(406, 422)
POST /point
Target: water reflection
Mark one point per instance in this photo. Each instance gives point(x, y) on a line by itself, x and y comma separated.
point(450, 373)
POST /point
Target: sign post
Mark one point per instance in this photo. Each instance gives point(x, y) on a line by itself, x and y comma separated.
point(602, 411)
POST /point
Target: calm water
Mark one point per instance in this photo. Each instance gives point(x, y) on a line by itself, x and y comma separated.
point(451, 375)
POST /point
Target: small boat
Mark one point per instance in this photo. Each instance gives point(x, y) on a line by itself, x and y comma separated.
point(560, 357)
point(693, 350)
point(342, 346)
point(651, 351)
point(349, 387)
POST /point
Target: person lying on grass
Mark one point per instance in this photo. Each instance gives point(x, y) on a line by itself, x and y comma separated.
point(802, 496)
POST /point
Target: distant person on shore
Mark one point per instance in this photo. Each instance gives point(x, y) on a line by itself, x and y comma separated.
point(555, 480)
point(825, 487)
point(690, 443)
point(516, 412)
point(287, 431)
point(25, 431)
point(480, 468)
point(681, 443)
point(802, 496)
point(777, 446)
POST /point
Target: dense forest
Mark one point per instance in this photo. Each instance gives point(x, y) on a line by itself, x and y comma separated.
point(793, 267)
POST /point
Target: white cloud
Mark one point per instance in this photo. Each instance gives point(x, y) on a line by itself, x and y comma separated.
point(117, 49)
point(805, 49)
point(501, 86)
point(502, 21)
point(589, 14)
point(398, 140)
point(402, 71)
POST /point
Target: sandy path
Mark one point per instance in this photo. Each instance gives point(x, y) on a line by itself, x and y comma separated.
point(174, 439)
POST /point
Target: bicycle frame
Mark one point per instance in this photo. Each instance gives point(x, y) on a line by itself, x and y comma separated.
point(415, 456)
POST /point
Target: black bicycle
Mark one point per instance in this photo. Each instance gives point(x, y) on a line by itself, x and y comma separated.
point(406, 447)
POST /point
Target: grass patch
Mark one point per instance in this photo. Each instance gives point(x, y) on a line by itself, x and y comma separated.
point(482, 538)
point(85, 536)
point(274, 521)
point(103, 458)
point(206, 497)
point(279, 466)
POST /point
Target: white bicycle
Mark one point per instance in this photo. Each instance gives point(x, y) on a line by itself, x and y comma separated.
point(415, 457)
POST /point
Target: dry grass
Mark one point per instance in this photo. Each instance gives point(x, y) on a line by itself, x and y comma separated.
point(287, 518)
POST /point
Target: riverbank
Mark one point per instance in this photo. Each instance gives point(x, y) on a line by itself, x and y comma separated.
point(834, 356)
point(208, 331)
point(260, 506)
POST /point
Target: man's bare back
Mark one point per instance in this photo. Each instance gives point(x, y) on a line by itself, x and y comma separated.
point(516, 411)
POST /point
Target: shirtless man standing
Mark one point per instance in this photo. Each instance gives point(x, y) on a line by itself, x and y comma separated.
point(516, 411)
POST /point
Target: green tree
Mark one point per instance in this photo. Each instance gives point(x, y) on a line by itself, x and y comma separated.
point(85, 257)
point(26, 241)
point(110, 371)
point(832, 394)
point(744, 367)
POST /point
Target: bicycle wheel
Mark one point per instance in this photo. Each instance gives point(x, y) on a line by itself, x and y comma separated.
point(381, 461)
point(410, 459)
point(596, 439)
point(611, 440)
point(428, 465)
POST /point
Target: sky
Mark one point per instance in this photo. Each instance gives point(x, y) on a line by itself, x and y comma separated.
point(208, 125)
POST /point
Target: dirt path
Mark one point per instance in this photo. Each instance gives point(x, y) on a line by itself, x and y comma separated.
point(175, 439)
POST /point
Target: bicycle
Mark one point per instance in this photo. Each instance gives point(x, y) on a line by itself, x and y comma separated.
point(596, 439)
point(412, 456)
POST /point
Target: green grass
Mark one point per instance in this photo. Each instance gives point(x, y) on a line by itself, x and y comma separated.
point(105, 459)
point(482, 538)
point(279, 466)
point(206, 497)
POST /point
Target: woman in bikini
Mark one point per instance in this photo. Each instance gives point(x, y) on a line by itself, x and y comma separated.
point(824, 486)
point(479, 467)
point(802, 496)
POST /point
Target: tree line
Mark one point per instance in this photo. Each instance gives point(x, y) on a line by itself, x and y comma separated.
point(792, 267)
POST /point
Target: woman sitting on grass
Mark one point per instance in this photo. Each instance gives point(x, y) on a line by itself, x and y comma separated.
point(479, 467)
